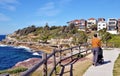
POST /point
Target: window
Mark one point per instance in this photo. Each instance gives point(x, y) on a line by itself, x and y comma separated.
point(111, 28)
point(89, 23)
point(110, 23)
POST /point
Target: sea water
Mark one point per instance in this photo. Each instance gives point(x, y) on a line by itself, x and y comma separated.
point(9, 55)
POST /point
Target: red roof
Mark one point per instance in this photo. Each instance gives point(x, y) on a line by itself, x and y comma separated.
point(91, 19)
point(76, 20)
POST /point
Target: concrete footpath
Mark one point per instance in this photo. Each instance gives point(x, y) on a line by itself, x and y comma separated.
point(106, 69)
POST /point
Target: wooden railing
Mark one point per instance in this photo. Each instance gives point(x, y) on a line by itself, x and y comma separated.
point(59, 56)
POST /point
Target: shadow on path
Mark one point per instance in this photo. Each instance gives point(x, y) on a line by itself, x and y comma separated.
point(105, 62)
point(70, 71)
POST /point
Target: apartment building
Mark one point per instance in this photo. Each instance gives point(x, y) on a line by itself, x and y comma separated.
point(82, 25)
point(90, 22)
point(112, 26)
point(101, 24)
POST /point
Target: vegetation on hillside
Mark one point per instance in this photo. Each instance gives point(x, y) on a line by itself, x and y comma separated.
point(54, 32)
point(26, 31)
point(45, 33)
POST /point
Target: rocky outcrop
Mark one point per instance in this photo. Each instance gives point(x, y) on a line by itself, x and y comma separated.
point(28, 63)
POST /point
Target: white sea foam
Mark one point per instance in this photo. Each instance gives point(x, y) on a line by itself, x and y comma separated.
point(24, 47)
point(3, 45)
point(35, 53)
point(17, 47)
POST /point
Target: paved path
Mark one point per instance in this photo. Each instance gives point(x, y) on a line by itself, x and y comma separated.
point(105, 69)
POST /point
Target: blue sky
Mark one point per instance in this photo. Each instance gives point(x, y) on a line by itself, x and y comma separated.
point(17, 14)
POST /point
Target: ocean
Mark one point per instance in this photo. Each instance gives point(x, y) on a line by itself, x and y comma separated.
point(9, 55)
point(2, 37)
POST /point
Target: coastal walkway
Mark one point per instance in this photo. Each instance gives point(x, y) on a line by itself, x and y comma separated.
point(106, 69)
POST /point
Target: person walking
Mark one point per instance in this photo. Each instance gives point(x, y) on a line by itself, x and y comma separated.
point(96, 45)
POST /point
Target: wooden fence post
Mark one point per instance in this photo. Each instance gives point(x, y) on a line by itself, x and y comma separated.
point(44, 57)
point(60, 52)
point(79, 52)
point(71, 54)
point(54, 62)
point(86, 47)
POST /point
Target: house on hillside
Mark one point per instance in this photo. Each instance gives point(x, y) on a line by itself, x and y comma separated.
point(101, 19)
point(101, 24)
point(118, 24)
point(112, 26)
point(91, 21)
point(80, 24)
point(75, 22)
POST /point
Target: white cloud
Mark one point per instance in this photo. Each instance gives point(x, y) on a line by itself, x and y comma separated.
point(49, 9)
point(48, 6)
point(52, 8)
point(3, 17)
point(8, 4)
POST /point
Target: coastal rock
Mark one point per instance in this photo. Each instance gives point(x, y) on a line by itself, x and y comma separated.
point(27, 63)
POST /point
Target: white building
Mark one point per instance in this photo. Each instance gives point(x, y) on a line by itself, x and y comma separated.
point(112, 26)
point(101, 25)
point(91, 22)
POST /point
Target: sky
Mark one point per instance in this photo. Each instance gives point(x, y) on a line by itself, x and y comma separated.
point(18, 14)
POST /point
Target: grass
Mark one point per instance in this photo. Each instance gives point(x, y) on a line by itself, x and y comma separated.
point(13, 71)
point(116, 70)
point(39, 72)
point(83, 66)
point(79, 69)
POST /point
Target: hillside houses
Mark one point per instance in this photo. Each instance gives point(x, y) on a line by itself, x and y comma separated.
point(112, 25)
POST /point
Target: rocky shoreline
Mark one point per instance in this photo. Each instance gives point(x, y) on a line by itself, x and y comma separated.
point(32, 48)
point(27, 63)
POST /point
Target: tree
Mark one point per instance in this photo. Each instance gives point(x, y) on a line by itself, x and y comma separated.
point(102, 31)
point(93, 27)
point(26, 31)
point(79, 38)
point(71, 26)
point(106, 37)
point(45, 36)
point(46, 27)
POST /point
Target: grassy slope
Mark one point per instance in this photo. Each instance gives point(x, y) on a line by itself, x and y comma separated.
point(116, 70)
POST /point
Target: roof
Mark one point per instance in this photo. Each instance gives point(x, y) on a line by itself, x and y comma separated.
point(91, 19)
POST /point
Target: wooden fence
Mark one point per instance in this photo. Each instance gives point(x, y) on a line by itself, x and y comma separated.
point(58, 56)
